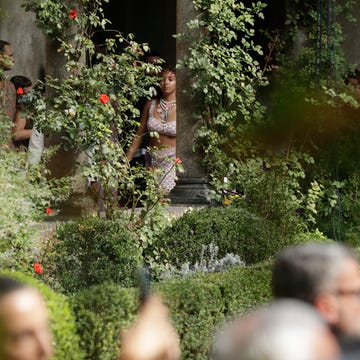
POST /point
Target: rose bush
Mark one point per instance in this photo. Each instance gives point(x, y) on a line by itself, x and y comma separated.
point(94, 107)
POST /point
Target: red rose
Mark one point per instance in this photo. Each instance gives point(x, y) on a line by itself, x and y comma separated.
point(20, 91)
point(48, 211)
point(73, 13)
point(38, 268)
point(104, 98)
point(178, 161)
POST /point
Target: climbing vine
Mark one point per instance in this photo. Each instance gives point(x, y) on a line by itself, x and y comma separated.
point(223, 63)
point(260, 125)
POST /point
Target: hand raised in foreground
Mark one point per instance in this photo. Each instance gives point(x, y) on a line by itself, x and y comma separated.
point(152, 336)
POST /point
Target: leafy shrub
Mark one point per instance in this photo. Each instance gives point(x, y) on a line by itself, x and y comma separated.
point(198, 306)
point(232, 230)
point(340, 208)
point(275, 188)
point(93, 105)
point(101, 311)
point(91, 251)
point(312, 236)
point(24, 196)
point(243, 287)
point(62, 321)
point(205, 266)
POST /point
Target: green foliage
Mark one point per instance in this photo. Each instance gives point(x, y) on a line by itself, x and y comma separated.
point(242, 288)
point(24, 196)
point(274, 187)
point(232, 230)
point(312, 236)
point(263, 157)
point(198, 305)
point(196, 308)
point(66, 339)
point(52, 17)
point(309, 93)
point(339, 209)
point(101, 312)
point(94, 106)
point(91, 251)
point(225, 73)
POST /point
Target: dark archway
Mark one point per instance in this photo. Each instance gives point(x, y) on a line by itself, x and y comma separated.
point(151, 22)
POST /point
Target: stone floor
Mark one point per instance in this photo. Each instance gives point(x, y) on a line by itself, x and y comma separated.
point(173, 211)
point(48, 227)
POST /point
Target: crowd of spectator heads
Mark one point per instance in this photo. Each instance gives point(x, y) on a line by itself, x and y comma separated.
point(314, 315)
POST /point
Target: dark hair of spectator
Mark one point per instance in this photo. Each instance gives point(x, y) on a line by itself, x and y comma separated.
point(3, 43)
point(168, 67)
point(21, 81)
point(8, 285)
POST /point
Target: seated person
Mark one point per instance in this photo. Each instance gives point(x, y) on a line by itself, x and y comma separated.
point(22, 128)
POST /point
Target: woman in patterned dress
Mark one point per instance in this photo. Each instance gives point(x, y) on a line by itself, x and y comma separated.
point(159, 119)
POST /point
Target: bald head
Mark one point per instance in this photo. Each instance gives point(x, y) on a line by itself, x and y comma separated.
point(24, 327)
point(283, 330)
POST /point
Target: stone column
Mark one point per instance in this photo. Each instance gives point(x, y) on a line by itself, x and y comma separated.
point(63, 162)
point(66, 162)
point(192, 185)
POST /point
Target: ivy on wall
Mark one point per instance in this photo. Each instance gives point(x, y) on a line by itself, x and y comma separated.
point(223, 64)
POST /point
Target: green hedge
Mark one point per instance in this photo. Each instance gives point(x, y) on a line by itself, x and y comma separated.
point(101, 311)
point(61, 319)
point(198, 305)
point(91, 251)
point(232, 230)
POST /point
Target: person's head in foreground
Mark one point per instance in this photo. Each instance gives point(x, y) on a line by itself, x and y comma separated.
point(326, 276)
point(24, 327)
point(282, 330)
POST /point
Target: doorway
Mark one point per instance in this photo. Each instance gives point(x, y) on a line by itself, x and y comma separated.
point(152, 22)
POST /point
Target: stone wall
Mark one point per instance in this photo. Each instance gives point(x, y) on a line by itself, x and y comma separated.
point(18, 27)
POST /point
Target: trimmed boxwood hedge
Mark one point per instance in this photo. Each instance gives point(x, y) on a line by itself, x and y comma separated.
point(62, 322)
point(232, 230)
point(198, 306)
point(91, 251)
point(101, 311)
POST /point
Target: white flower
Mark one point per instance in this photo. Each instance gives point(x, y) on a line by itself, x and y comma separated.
point(71, 111)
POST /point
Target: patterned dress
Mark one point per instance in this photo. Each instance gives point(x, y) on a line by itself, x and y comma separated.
point(162, 159)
